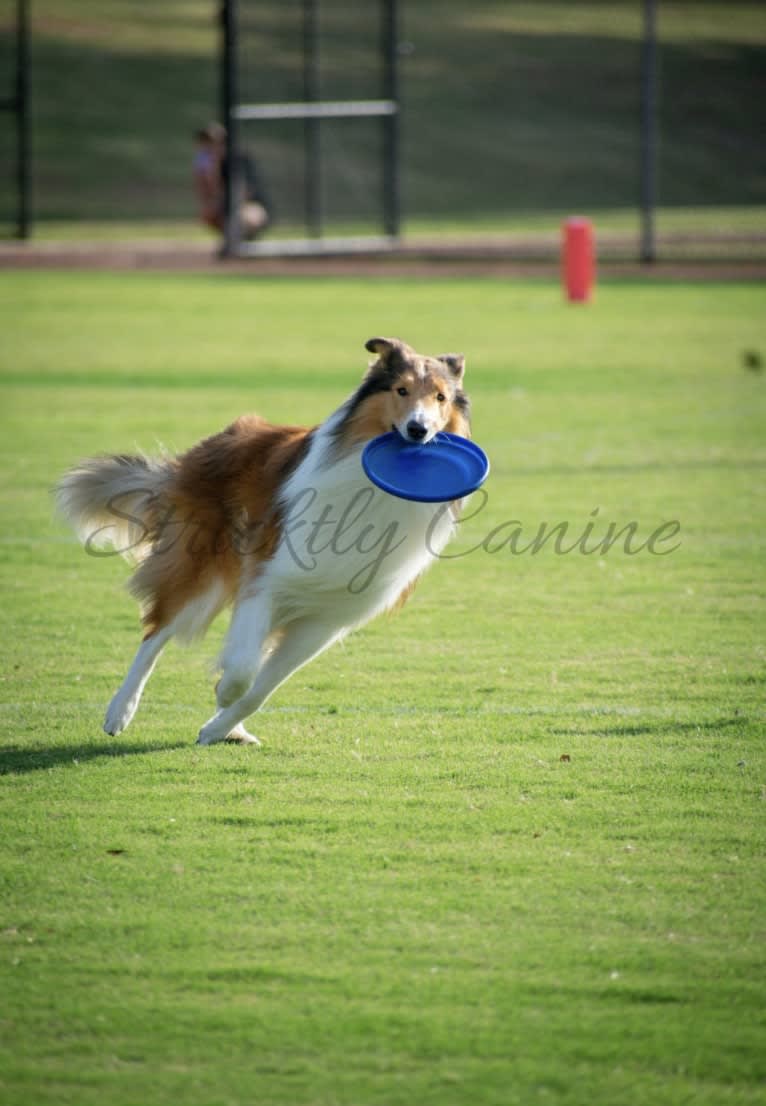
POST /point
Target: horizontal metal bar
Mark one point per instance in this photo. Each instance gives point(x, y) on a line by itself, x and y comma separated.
point(328, 109)
point(312, 247)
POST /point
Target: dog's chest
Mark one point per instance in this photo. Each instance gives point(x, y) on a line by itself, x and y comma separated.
point(341, 534)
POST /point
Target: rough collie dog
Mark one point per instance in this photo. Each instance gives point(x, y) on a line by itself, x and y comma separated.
point(282, 522)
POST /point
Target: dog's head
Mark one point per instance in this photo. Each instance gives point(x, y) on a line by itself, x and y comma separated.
point(414, 394)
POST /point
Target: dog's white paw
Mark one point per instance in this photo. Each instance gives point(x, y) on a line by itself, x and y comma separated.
point(217, 730)
point(119, 715)
point(241, 736)
point(212, 732)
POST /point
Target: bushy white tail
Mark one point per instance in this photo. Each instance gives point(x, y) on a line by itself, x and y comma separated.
point(115, 500)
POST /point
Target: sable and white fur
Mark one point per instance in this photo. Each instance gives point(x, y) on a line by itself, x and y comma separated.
point(279, 521)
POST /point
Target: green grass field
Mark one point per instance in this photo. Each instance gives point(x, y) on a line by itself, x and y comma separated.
point(505, 847)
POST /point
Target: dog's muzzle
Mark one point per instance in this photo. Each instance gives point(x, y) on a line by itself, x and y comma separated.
point(416, 431)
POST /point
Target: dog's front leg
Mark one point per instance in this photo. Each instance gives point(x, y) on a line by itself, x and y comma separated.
point(301, 641)
point(243, 649)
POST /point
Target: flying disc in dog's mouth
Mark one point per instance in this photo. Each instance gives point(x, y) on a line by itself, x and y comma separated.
point(447, 467)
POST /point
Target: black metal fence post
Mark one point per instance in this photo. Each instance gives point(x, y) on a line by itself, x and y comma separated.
point(311, 127)
point(231, 237)
point(391, 125)
point(19, 104)
point(648, 131)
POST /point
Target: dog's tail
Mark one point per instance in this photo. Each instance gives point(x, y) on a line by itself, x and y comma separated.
point(117, 501)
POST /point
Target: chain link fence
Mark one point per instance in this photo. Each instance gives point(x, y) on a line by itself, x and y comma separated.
point(513, 116)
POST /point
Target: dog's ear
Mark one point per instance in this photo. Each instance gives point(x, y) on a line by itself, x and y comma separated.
point(385, 348)
point(455, 362)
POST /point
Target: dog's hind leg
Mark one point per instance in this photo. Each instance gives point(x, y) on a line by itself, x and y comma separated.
point(187, 622)
point(301, 641)
point(243, 648)
point(125, 703)
point(173, 612)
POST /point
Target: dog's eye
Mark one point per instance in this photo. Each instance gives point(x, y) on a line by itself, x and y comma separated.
point(441, 397)
point(402, 391)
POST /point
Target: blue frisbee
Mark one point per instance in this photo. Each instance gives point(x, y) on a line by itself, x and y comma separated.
point(447, 467)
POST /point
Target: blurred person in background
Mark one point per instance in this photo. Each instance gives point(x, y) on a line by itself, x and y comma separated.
point(211, 170)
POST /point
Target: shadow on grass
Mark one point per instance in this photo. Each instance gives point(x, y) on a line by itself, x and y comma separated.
point(617, 993)
point(18, 759)
point(659, 729)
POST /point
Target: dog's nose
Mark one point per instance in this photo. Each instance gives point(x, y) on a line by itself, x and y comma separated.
point(416, 430)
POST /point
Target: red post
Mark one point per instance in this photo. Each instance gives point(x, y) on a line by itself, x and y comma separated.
point(578, 263)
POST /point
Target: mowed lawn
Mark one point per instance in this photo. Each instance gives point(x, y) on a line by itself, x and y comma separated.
point(505, 847)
